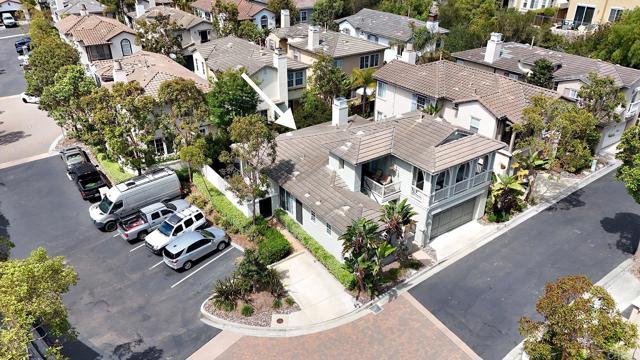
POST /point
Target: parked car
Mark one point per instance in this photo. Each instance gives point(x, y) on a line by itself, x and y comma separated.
point(29, 99)
point(158, 185)
point(193, 245)
point(73, 155)
point(21, 43)
point(8, 20)
point(147, 219)
point(88, 180)
point(188, 219)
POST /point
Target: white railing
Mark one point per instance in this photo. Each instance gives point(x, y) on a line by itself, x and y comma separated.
point(443, 194)
point(633, 110)
point(383, 191)
point(418, 194)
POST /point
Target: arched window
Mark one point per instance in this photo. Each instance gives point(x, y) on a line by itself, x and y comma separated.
point(125, 45)
point(463, 172)
point(482, 164)
point(442, 181)
point(264, 21)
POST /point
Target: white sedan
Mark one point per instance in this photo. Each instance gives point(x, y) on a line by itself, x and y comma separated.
point(29, 99)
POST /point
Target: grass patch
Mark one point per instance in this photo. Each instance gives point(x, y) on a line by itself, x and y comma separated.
point(329, 261)
point(112, 169)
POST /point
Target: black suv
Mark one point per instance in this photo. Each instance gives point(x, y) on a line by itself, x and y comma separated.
point(88, 180)
point(24, 41)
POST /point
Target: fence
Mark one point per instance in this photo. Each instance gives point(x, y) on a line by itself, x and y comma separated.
point(219, 182)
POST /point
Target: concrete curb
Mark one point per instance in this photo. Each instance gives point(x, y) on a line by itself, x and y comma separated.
point(410, 282)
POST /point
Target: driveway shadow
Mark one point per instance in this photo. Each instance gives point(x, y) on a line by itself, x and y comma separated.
point(628, 226)
point(11, 137)
point(569, 202)
point(126, 351)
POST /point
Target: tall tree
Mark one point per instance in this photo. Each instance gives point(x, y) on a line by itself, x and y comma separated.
point(579, 321)
point(254, 147)
point(230, 96)
point(541, 73)
point(248, 30)
point(5, 248)
point(276, 6)
point(225, 18)
point(194, 155)
point(327, 81)
point(63, 98)
point(31, 292)
point(160, 35)
point(45, 61)
point(469, 22)
point(602, 98)
point(629, 154)
point(40, 29)
point(397, 217)
point(622, 44)
point(326, 11)
point(417, 9)
point(515, 25)
point(311, 110)
point(187, 109)
point(576, 135)
point(362, 80)
point(359, 237)
point(118, 7)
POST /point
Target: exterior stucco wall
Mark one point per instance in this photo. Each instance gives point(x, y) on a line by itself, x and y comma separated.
point(602, 8)
point(474, 109)
point(396, 101)
point(192, 36)
point(563, 86)
point(271, 18)
point(9, 7)
point(116, 49)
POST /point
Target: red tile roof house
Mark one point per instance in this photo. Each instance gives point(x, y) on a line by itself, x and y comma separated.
point(253, 11)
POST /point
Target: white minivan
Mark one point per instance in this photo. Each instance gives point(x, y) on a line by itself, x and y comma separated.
point(158, 185)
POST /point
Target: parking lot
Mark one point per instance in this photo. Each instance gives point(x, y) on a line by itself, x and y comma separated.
point(11, 79)
point(127, 304)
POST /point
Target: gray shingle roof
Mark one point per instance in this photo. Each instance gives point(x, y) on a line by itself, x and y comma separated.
point(572, 67)
point(385, 24)
point(75, 7)
point(502, 96)
point(416, 138)
point(332, 43)
point(182, 18)
point(231, 53)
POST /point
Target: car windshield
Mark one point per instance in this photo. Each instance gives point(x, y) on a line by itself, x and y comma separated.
point(206, 234)
point(166, 228)
point(105, 205)
point(73, 157)
point(169, 255)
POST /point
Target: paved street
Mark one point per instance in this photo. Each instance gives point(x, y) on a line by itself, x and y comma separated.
point(481, 297)
point(11, 77)
point(127, 304)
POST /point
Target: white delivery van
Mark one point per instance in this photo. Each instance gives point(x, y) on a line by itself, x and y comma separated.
point(125, 198)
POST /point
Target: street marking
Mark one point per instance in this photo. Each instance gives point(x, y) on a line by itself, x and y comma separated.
point(161, 261)
point(11, 36)
point(54, 144)
point(201, 267)
point(237, 246)
point(136, 248)
point(118, 234)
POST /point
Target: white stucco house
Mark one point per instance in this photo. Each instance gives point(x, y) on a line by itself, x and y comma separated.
point(97, 37)
point(248, 10)
point(390, 30)
point(482, 102)
point(571, 73)
point(10, 6)
point(62, 8)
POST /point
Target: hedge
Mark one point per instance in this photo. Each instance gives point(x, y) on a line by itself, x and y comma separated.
point(112, 169)
point(332, 264)
point(273, 247)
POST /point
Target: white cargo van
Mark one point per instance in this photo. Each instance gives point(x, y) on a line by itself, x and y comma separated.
point(125, 198)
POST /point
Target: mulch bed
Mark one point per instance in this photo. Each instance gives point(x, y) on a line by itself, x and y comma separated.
point(263, 310)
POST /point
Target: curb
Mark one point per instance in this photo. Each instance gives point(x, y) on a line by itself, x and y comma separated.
point(410, 282)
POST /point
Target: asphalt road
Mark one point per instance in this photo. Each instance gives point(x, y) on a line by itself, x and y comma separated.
point(127, 304)
point(482, 296)
point(11, 76)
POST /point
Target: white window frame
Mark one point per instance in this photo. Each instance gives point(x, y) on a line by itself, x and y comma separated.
point(474, 124)
point(382, 90)
point(618, 12)
point(369, 61)
point(304, 16)
point(296, 54)
point(295, 79)
point(122, 42)
point(572, 93)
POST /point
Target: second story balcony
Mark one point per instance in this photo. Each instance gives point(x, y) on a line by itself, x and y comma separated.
point(382, 190)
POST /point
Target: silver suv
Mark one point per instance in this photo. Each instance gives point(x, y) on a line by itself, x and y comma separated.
point(193, 245)
point(147, 219)
point(188, 219)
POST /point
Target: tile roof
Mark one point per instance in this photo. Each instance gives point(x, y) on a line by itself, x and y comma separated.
point(231, 53)
point(502, 96)
point(13, 1)
point(246, 9)
point(92, 29)
point(416, 138)
point(304, 4)
point(385, 24)
point(149, 69)
point(332, 43)
point(182, 18)
point(572, 67)
point(75, 7)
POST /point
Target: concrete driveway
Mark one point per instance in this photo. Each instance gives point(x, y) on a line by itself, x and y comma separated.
point(127, 304)
point(11, 76)
point(25, 130)
point(482, 296)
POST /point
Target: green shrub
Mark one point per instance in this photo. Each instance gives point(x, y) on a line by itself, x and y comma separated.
point(112, 169)
point(232, 218)
point(226, 293)
point(277, 303)
point(247, 310)
point(329, 261)
point(273, 247)
point(197, 200)
point(289, 300)
point(273, 283)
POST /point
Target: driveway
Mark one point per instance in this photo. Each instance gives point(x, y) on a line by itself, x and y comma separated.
point(11, 76)
point(127, 304)
point(25, 130)
point(482, 296)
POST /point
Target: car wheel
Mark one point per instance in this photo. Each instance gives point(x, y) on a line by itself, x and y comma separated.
point(142, 235)
point(24, 101)
point(110, 226)
point(222, 246)
point(187, 265)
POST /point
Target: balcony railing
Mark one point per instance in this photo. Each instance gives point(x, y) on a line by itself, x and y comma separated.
point(632, 111)
point(383, 192)
point(466, 184)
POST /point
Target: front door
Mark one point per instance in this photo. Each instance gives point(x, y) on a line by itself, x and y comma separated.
point(299, 211)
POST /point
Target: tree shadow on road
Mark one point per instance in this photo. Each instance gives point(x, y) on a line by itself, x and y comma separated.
point(11, 137)
point(569, 202)
point(126, 351)
point(628, 226)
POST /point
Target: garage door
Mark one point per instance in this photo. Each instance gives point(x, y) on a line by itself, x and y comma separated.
point(452, 218)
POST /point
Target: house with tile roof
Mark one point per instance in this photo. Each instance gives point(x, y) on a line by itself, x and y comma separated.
point(571, 72)
point(97, 37)
point(248, 10)
point(62, 8)
point(391, 30)
point(482, 102)
point(328, 175)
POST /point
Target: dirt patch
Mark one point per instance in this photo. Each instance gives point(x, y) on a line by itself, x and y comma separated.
point(262, 303)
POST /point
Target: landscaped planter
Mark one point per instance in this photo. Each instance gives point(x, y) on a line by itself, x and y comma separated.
point(261, 318)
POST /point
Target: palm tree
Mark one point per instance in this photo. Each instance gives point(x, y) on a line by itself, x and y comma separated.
point(362, 269)
point(363, 79)
point(531, 164)
point(397, 217)
point(505, 196)
point(361, 235)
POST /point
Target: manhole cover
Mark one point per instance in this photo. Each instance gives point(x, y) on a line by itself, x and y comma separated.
point(279, 320)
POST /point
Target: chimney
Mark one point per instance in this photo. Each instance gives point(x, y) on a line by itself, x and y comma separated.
point(313, 39)
point(119, 75)
point(494, 48)
point(83, 10)
point(433, 25)
point(152, 3)
point(339, 112)
point(139, 9)
point(285, 20)
point(409, 55)
point(59, 5)
point(280, 63)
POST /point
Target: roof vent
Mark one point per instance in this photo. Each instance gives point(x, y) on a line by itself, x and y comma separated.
point(318, 203)
point(295, 173)
point(360, 133)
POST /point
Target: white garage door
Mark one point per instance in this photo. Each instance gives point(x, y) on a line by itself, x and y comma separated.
point(452, 218)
